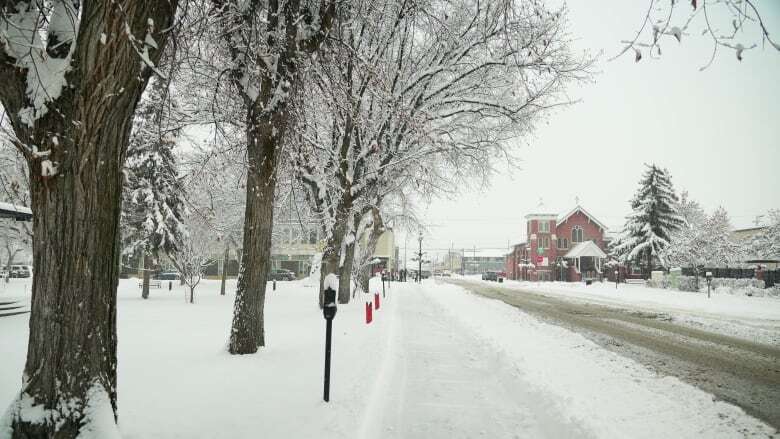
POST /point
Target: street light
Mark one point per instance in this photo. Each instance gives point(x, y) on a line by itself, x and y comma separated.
point(708, 275)
point(617, 278)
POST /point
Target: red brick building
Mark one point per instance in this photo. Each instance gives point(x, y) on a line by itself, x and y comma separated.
point(570, 248)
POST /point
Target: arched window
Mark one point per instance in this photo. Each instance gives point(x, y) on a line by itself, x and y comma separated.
point(576, 234)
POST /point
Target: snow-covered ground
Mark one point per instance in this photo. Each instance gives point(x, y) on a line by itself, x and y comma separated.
point(752, 318)
point(437, 362)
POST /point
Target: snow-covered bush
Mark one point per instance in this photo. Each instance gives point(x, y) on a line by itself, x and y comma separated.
point(664, 283)
point(748, 287)
point(688, 283)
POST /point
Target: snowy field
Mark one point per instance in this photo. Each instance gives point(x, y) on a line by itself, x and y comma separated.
point(437, 362)
point(752, 318)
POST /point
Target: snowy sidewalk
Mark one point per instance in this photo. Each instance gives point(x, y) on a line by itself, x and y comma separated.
point(458, 365)
point(439, 381)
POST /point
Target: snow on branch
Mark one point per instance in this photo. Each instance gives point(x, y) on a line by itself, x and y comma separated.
point(735, 25)
point(39, 36)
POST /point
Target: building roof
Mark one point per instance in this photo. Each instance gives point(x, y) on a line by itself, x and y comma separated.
point(579, 208)
point(16, 211)
point(586, 248)
point(485, 253)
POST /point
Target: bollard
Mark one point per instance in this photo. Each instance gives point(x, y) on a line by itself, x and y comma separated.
point(170, 285)
point(376, 300)
point(369, 313)
point(274, 283)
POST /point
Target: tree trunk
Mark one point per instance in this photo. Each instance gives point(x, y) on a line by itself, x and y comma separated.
point(147, 276)
point(648, 269)
point(192, 294)
point(377, 226)
point(345, 273)
point(71, 358)
point(225, 262)
point(247, 333)
point(70, 370)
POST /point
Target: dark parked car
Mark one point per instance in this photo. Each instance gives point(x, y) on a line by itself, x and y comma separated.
point(490, 275)
point(171, 275)
point(21, 271)
point(281, 274)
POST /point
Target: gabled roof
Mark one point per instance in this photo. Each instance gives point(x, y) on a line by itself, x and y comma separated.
point(586, 248)
point(579, 208)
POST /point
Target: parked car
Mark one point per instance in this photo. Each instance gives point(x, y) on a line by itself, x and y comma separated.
point(490, 275)
point(21, 271)
point(281, 274)
point(168, 275)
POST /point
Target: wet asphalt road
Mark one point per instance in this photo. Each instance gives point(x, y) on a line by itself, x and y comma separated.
point(741, 372)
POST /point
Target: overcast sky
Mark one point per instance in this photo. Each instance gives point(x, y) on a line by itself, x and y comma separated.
point(717, 131)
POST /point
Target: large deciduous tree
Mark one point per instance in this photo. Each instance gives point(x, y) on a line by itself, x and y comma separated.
point(267, 41)
point(71, 74)
point(419, 95)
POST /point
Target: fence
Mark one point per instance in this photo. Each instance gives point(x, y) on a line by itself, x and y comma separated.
point(770, 277)
point(727, 273)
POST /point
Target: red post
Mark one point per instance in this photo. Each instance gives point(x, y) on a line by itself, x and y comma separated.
point(376, 300)
point(369, 312)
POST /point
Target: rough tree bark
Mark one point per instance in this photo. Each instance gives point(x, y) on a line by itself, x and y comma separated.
point(70, 372)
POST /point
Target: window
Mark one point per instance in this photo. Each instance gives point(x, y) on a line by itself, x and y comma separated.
point(544, 227)
point(544, 242)
point(563, 243)
point(576, 234)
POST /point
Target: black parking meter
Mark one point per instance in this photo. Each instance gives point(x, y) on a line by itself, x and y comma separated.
point(329, 308)
point(329, 312)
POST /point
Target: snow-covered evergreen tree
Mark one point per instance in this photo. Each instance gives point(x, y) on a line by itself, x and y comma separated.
point(654, 218)
point(153, 205)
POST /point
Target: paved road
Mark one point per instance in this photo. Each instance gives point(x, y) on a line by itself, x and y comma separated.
point(741, 372)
